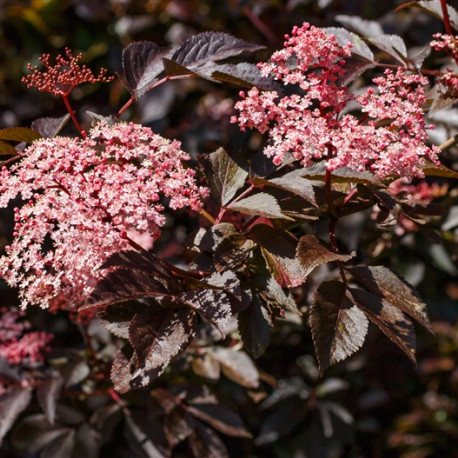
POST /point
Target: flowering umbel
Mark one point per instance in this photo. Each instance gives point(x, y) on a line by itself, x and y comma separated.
point(310, 126)
point(82, 197)
point(62, 77)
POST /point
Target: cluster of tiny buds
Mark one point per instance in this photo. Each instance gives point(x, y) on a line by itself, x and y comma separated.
point(63, 76)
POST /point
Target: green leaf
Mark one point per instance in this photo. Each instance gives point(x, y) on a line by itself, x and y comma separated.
point(255, 328)
point(339, 328)
point(391, 321)
point(384, 283)
point(260, 204)
point(19, 134)
point(312, 253)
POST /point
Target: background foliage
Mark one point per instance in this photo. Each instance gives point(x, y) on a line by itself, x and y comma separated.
point(376, 403)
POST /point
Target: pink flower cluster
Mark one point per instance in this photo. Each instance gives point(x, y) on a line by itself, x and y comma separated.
point(17, 343)
point(62, 77)
point(82, 200)
point(309, 125)
point(449, 80)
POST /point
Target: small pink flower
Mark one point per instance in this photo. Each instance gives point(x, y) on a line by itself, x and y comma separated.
point(82, 199)
point(308, 125)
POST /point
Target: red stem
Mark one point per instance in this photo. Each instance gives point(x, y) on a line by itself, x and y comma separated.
point(447, 25)
point(72, 115)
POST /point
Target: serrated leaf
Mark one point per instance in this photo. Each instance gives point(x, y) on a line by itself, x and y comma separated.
point(210, 46)
point(116, 318)
point(12, 403)
point(237, 366)
point(220, 418)
point(157, 337)
point(142, 64)
point(174, 69)
point(339, 328)
point(245, 74)
point(383, 282)
point(34, 432)
point(255, 328)
point(439, 170)
point(232, 252)
point(293, 182)
point(126, 285)
point(260, 204)
point(50, 127)
point(279, 250)
point(344, 37)
point(312, 253)
point(6, 149)
point(391, 321)
point(212, 305)
point(48, 392)
point(434, 7)
point(19, 134)
point(393, 45)
point(205, 443)
point(272, 293)
point(208, 239)
point(360, 25)
point(341, 175)
point(224, 175)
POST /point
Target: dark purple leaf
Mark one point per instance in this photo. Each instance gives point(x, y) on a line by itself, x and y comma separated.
point(255, 328)
point(220, 418)
point(391, 44)
point(434, 7)
point(6, 149)
point(279, 250)
point(272, 293)
point(384, 283)
point(62, 446)
point(19, 134)
point(344, 37)
point(232, 251)
point(224, 175)
point(391, 321)
point(207, 239)
point(312, 253)
point(127, 285)
point(178, 426)
point(244, 74)
point(116, 318)
point(12, 403)
point(260, 204)
point(292, 182)
point(34, 432)
point(142, 63)
point(206, 366)
point(434, 170)
point(359, 25)
point(339, 328)
point(71, 365)
point(50, 127)
point(48, 391)
point(237, 366)
point(341, 175)
point(210, 46)
point(213, 305)
point(205, 443)
point(157, 337)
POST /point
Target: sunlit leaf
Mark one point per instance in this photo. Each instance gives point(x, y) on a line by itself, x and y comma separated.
point(50, 127)
point(142, 64)
point(19, 134)
point(224, 175)
point(210, 46)
point(312, 253)
point(383, 282)
point(359, 25)
point(260, 204)
point(391, 321)
point(339, 328)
